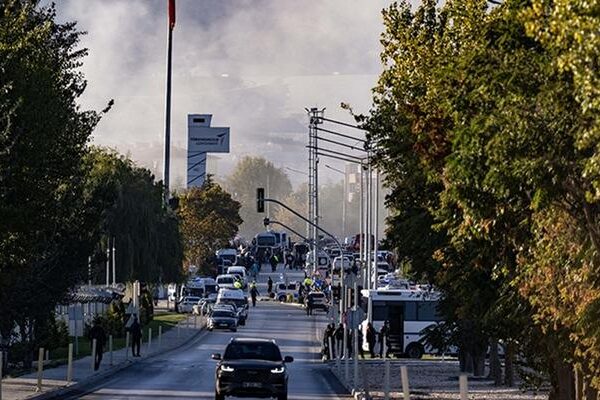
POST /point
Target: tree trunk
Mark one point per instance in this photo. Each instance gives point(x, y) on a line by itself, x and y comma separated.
point(468, 362)
point(462, 360)
point(563, 382)
point(509, 372)
point(495, 365)
point(479, 364)
point(578, 375)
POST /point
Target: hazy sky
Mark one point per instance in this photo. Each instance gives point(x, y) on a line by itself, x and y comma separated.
point(253, 64)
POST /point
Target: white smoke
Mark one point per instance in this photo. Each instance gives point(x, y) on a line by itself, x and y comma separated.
point(254, 65)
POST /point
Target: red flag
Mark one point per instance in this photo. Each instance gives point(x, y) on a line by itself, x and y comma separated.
point(171, 14)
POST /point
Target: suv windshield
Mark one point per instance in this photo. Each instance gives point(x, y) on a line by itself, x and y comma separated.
point(252, 351)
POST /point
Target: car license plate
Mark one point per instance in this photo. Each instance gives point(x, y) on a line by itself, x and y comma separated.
point(252, 384)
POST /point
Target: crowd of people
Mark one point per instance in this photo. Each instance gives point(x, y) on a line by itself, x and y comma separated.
point(335, 336)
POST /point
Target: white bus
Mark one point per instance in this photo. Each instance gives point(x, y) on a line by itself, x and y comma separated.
point(408, 311)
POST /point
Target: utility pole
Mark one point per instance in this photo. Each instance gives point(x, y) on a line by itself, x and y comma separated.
point(315, 119)
point(114, 265)
point(167, 157)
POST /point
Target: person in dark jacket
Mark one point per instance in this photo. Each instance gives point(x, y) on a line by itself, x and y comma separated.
point(97, 332)
point(269, 285)
point(384, 333)
point(329, 334)
point(136, 337)
point(371, 338)
point(253, 293)
point(360, 344)
point(339, 337)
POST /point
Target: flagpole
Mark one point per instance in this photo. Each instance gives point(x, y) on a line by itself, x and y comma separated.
point(167, 157)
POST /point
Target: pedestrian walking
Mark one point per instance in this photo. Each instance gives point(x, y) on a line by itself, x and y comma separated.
point(289, 260)
point(349, 343)
point(328, 334)
point(360, 343)
point(136, 337)
point(371, 338)
point(384, 334)
point(339, 337)
point(97, 332)
point(274, 261)
point(253, 293)
point(269, 286)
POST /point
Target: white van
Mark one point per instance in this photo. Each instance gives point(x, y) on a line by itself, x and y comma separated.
point(239, 271)
point(238, 299)
point(226, 281)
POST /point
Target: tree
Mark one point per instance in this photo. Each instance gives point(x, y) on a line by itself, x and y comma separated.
point(210, 219)
point(145, 232)
point(486, 125)
point(47, 230)
point(249, 174)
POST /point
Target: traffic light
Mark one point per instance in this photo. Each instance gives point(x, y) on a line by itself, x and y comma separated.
point(260, 200)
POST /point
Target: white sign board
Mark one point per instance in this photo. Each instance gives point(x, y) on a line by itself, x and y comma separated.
point(202, 138)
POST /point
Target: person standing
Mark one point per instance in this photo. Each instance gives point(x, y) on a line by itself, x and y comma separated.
point(360, 343)
point(371, 338)
point(136, 337)
point(269, 286)
point(339, 337)
point(253, 293)
point(328, 334)
point(384, 334)
point(97, 332)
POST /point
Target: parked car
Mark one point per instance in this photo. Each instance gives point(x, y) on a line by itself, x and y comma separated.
point(222, 319)
point(251, 367)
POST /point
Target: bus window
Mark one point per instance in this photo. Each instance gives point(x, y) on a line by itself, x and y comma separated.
point(427, 311)
point(410, 311)
point(379, 311)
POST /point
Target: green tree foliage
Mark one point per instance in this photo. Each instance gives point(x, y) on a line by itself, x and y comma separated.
point(249, 174)
point(485, 123)
point(210, 219)
point(47, 229)
point(147, 240)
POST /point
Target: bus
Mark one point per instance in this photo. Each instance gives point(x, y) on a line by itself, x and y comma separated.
point(408, 311)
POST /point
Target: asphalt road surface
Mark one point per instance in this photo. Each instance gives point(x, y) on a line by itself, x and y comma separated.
point(188, 372)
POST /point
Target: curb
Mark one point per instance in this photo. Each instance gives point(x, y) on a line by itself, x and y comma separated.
point(78, 388)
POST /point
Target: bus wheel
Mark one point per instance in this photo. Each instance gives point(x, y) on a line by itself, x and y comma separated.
point(414, 350)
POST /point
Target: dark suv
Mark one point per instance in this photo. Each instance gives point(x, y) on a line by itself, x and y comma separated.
point(251, 368)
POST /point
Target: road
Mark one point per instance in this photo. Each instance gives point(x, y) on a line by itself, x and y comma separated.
point(189, 371)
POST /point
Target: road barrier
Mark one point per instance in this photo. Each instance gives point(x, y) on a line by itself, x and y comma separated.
point(70, 364)
point(405, 387)
point(40, 369)
point(464, 388)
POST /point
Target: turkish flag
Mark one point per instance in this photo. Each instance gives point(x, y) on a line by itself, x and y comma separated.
point(171, 14)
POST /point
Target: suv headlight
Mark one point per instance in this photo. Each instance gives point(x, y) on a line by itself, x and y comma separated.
point(226, 368)
point(278, 370)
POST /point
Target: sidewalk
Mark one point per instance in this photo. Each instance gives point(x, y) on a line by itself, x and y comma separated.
point(24, 387)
